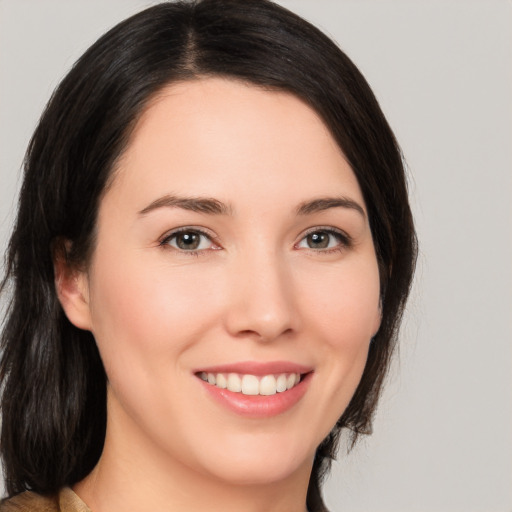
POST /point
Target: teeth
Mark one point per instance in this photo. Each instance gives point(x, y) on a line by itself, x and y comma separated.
point(234, 383)
point(268, 385)
point(281, 383)
point(290, 381)
point(251, 384)
point(221, 381)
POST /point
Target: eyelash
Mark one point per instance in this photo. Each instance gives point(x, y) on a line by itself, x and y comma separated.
point(165, 241)
point(344, 240)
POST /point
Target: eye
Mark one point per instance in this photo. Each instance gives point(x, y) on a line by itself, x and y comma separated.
point(324, 239)
point(189, 240)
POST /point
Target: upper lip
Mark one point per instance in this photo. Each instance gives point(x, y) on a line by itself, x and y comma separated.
point(257, 368)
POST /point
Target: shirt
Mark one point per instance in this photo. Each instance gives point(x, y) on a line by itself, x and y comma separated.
point(64, 501)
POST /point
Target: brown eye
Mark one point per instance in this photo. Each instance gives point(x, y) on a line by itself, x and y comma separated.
point(318, 240)
point(323, 239)
point(189, 240)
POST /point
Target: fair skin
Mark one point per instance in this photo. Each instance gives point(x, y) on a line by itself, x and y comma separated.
point(273, 273)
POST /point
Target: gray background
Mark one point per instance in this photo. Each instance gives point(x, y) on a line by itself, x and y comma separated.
point(442, 70)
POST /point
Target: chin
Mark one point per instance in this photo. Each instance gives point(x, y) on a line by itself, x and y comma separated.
point(261, 472)
point(260, 462)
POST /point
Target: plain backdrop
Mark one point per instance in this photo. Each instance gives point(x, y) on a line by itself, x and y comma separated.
point(442, 71)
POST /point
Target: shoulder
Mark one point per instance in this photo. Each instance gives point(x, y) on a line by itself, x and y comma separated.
point(65, 501)
point(30, 502)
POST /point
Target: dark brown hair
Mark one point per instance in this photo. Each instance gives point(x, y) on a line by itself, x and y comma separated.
point(53, 382)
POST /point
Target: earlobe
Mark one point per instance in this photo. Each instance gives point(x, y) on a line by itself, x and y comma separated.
point(72, 288)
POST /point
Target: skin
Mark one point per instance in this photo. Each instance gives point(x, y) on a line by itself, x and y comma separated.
point(254, 291)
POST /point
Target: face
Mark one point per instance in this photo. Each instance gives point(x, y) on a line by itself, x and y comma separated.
point(233, 252)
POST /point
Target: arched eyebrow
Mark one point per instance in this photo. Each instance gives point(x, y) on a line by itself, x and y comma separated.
point(212, 206)
point(207, 205)
point(324, 203)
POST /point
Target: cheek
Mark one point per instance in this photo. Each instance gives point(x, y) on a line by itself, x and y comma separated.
point(143, 313)
point(344, 308)
point(345, 303)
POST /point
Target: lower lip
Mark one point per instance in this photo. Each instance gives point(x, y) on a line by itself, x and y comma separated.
point(258, 406)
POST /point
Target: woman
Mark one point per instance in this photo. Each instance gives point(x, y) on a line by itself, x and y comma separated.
point(212, 253)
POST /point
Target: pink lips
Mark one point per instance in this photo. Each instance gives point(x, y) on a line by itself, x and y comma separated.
point(258, 406)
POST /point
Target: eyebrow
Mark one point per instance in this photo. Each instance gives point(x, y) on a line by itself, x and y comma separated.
point(207, 205)
point(210, 205)
point(324, 203)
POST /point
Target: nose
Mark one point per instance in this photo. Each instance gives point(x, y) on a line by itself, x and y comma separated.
point(262, 303)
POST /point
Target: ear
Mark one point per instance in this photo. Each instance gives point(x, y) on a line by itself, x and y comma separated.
point(72, 287)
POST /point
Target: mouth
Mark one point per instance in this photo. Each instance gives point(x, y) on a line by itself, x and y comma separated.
point(252, 385)
point(256, 390)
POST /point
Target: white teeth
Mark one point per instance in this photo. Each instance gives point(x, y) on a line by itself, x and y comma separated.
point(234, 383)
point(221, 381)
point(281, 383)
point(251, 384)
point(268, 385)
point(292, 379)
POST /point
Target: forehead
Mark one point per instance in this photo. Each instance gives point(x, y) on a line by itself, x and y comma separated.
point(214, 136)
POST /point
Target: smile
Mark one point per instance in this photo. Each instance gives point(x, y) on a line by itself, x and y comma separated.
point(248, 384)
point(256, 389)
